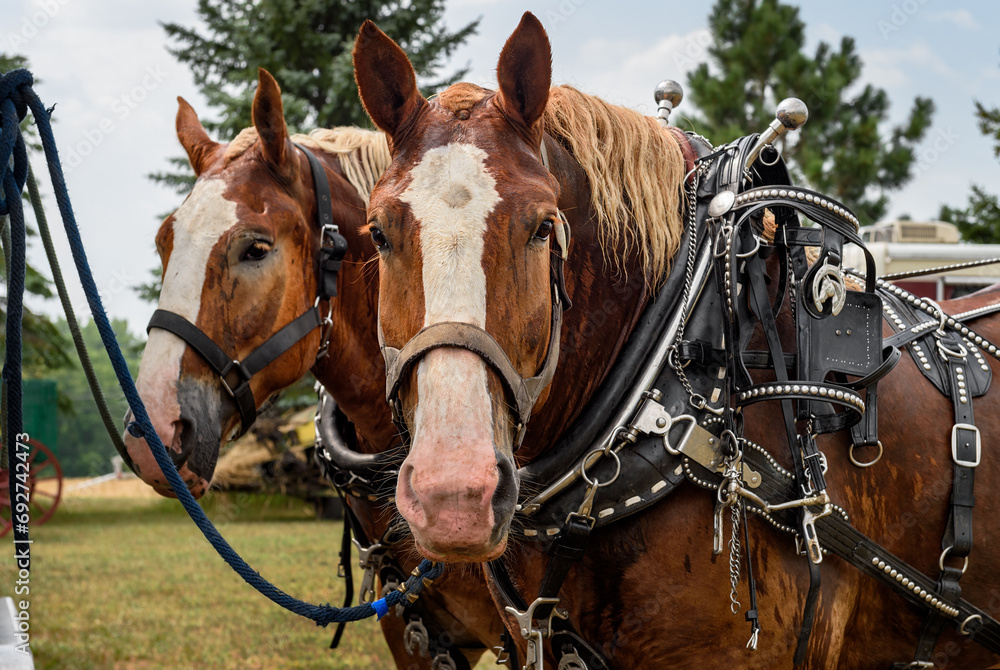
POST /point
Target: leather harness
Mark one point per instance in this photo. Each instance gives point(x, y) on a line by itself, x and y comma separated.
point(671, 408)
point(669, 438)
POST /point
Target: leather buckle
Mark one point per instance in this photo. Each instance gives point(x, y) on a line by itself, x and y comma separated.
point(965, 463)
point(241, 371)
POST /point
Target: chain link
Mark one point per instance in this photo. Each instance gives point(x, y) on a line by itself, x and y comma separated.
point(734, 556)
point(692, 198)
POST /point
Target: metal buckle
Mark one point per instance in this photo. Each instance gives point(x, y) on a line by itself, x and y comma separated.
point(242, 371)
point(954, 445)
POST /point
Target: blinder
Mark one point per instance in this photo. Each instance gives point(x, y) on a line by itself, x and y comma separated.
point(235, 375)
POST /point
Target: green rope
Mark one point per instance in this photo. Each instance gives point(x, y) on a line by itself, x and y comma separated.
point(114, 432)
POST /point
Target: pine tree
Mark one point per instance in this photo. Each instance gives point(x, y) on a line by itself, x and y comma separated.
point(980, 220)
point(306, 45)
point(758, 59)
point(989, 124)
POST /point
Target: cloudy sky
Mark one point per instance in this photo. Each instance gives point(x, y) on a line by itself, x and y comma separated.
point(105, 64)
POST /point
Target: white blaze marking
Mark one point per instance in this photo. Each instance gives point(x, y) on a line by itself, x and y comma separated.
point(198, 224)
point(451, 195)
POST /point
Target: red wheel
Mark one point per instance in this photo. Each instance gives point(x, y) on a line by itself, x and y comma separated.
point(45, 482)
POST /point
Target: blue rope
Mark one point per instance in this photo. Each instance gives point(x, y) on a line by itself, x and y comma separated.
point(16, 98)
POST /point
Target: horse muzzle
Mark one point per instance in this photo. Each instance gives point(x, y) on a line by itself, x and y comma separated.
point(458, 507)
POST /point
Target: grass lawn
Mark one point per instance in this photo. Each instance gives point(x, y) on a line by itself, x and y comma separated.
point(129, 584)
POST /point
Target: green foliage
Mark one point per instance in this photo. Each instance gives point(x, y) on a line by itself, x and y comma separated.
point(989, 124)
point(150, 291)
point(979, 221)
point(85, 449)
point(758, 59)
point(306, 45)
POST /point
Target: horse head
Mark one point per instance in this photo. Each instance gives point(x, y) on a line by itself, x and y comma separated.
point(240, 263)
point(468, 313)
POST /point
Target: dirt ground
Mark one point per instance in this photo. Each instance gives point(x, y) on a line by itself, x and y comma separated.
point(128, 486)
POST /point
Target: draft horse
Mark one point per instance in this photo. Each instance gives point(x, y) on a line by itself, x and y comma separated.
point(242, 265)
point(471, 221)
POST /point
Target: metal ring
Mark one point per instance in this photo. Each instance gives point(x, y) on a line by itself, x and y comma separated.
point(777, 155)
point(850, 455)
point(945, 351)
point(944, 555)
point(961, 629)
point(599, 484)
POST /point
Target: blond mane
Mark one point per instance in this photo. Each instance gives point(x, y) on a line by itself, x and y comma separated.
point(363, 154)
point(636, 173)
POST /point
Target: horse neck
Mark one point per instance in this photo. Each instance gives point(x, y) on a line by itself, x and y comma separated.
point(353, 371)
point(606, 307)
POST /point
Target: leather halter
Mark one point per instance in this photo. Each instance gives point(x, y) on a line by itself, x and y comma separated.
point(523, 392)
point(235, 375)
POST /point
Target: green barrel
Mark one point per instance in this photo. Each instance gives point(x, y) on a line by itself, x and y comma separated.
point(40, 412)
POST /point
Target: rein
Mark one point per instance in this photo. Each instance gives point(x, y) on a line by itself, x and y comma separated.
point(235, 375)
point(16, 98)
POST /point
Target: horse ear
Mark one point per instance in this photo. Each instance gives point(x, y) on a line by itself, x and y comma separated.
point(269, 118)
point(196, 142)
point(524, 72)
point(386, 80)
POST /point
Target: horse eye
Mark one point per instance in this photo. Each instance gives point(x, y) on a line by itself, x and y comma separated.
point(544, 230)
point(256, 252)
point(378, 237)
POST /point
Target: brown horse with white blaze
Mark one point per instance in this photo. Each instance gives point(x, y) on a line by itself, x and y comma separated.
point(240, 262)
point(463, 219)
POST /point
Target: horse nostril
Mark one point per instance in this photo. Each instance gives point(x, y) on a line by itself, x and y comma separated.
point(179, 452)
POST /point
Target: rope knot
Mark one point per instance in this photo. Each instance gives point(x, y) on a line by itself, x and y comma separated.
point(12, 85)
point(15, 90)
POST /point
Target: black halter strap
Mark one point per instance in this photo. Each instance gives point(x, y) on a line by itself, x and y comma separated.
point(235, 375)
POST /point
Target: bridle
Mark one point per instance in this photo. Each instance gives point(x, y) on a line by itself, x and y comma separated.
point(523, 392)
point(235, 375)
